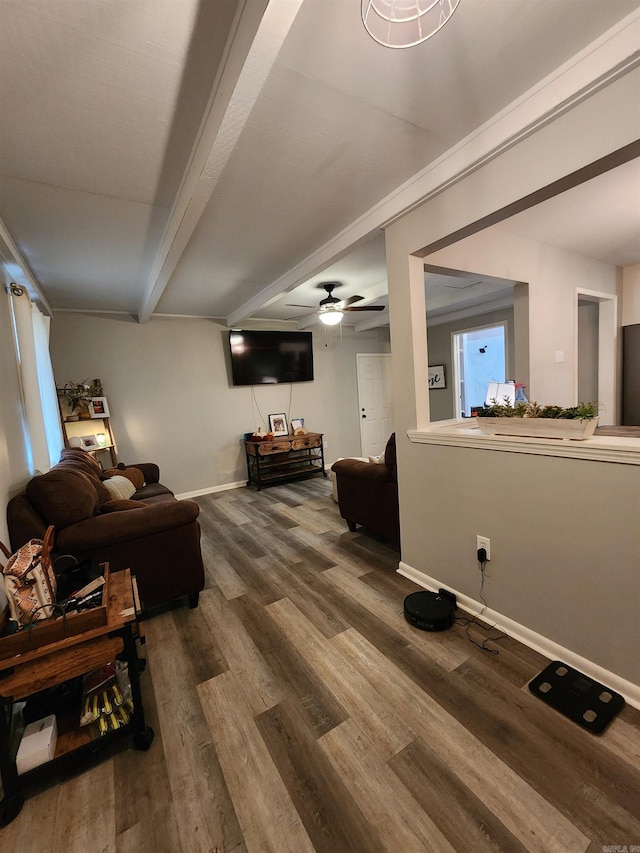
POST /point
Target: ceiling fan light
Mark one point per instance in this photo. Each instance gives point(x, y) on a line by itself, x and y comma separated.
point(331, 316)
point(405, 23)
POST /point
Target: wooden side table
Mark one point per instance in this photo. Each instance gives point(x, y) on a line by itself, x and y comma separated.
point(54, 663)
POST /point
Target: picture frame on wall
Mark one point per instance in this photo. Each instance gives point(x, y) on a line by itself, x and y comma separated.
point(98, 407)
point(278, 424)
point(437, 378)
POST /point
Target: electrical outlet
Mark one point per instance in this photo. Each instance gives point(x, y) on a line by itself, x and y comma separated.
point(484, 542)
point(325, 445)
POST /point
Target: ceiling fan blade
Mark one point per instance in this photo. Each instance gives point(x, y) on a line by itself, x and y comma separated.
point(297, 305)
point(302, 316)
point(351, 300)
point(366, 308)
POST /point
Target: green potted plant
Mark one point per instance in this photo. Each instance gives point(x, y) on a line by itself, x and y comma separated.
point(77, 395)
point(537, 421)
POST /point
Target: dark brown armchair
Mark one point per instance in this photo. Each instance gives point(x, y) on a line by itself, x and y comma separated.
point(368, 493)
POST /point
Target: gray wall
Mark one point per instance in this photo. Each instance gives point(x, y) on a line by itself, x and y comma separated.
point(441, 401)
point(566, 561)
point(564, 542)
point(167, 384)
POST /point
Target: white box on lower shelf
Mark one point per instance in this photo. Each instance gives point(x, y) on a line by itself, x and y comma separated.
point(38, 744)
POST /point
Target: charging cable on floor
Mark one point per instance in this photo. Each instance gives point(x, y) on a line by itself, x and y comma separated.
point(468, 621)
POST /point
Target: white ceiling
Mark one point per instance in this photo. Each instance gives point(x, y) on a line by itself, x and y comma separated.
point(166, 156)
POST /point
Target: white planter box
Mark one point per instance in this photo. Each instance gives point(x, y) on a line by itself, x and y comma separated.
point(539, 427)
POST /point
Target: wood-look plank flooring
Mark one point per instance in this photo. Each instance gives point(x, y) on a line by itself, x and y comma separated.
point(296, 710)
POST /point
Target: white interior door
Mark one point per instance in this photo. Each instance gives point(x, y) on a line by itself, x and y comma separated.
point(375, 401)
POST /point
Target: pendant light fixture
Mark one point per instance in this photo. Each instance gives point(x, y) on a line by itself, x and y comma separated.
point(405, 23)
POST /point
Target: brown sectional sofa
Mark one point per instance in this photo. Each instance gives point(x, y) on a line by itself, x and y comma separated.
point(153, 534)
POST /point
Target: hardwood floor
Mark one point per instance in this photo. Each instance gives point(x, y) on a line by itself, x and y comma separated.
point(296, 710)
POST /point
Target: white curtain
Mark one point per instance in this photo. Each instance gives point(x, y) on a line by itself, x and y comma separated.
point(38, 387)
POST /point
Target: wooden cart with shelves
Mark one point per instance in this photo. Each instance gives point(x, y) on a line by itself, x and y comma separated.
point(285, 458)
point(53, 663)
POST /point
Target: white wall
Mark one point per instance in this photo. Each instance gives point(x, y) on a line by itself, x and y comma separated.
point(167, 384)
point(631, 295)
point(566, 562)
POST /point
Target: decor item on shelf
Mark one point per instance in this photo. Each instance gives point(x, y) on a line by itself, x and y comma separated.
point(98, 407)
point(78, 395)
point(331, 310)
point(405, 23)
point(536, 421)
point(102, 439)
point(89, 442)
point(278, 424)
point(297, 423)
point(520, 396)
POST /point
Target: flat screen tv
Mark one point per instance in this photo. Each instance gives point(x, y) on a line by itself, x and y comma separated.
point(266, 358)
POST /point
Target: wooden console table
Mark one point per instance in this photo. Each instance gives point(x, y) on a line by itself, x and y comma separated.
point(55, 663)
point(284, 459)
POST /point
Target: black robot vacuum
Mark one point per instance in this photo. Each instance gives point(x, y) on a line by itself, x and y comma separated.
point(429, 611)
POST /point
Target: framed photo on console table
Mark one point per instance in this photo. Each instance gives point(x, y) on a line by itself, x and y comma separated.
point(278, 424)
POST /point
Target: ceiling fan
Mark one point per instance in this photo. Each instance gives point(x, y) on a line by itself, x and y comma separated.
point(331, 309)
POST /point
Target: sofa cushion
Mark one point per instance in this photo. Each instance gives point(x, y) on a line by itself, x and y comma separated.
point(119, 488)
point(63, 496)
point(152, 490)
point(82, 460)
point(390, 451)
point(120, 504)
point(79, 460)
point(134, 474)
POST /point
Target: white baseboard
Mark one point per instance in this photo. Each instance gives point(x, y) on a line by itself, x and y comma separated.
point(211, 489)
point(544, 645)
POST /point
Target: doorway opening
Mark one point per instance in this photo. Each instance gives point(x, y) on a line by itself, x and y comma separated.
point(596, 332)
point(479, 357)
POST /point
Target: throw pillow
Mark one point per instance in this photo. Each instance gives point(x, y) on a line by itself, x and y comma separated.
point(134, 474)
point(117, 505)
point(63, 496)
point(120, 488)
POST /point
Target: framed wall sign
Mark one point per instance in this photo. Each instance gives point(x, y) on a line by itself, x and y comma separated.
point(437, 378)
